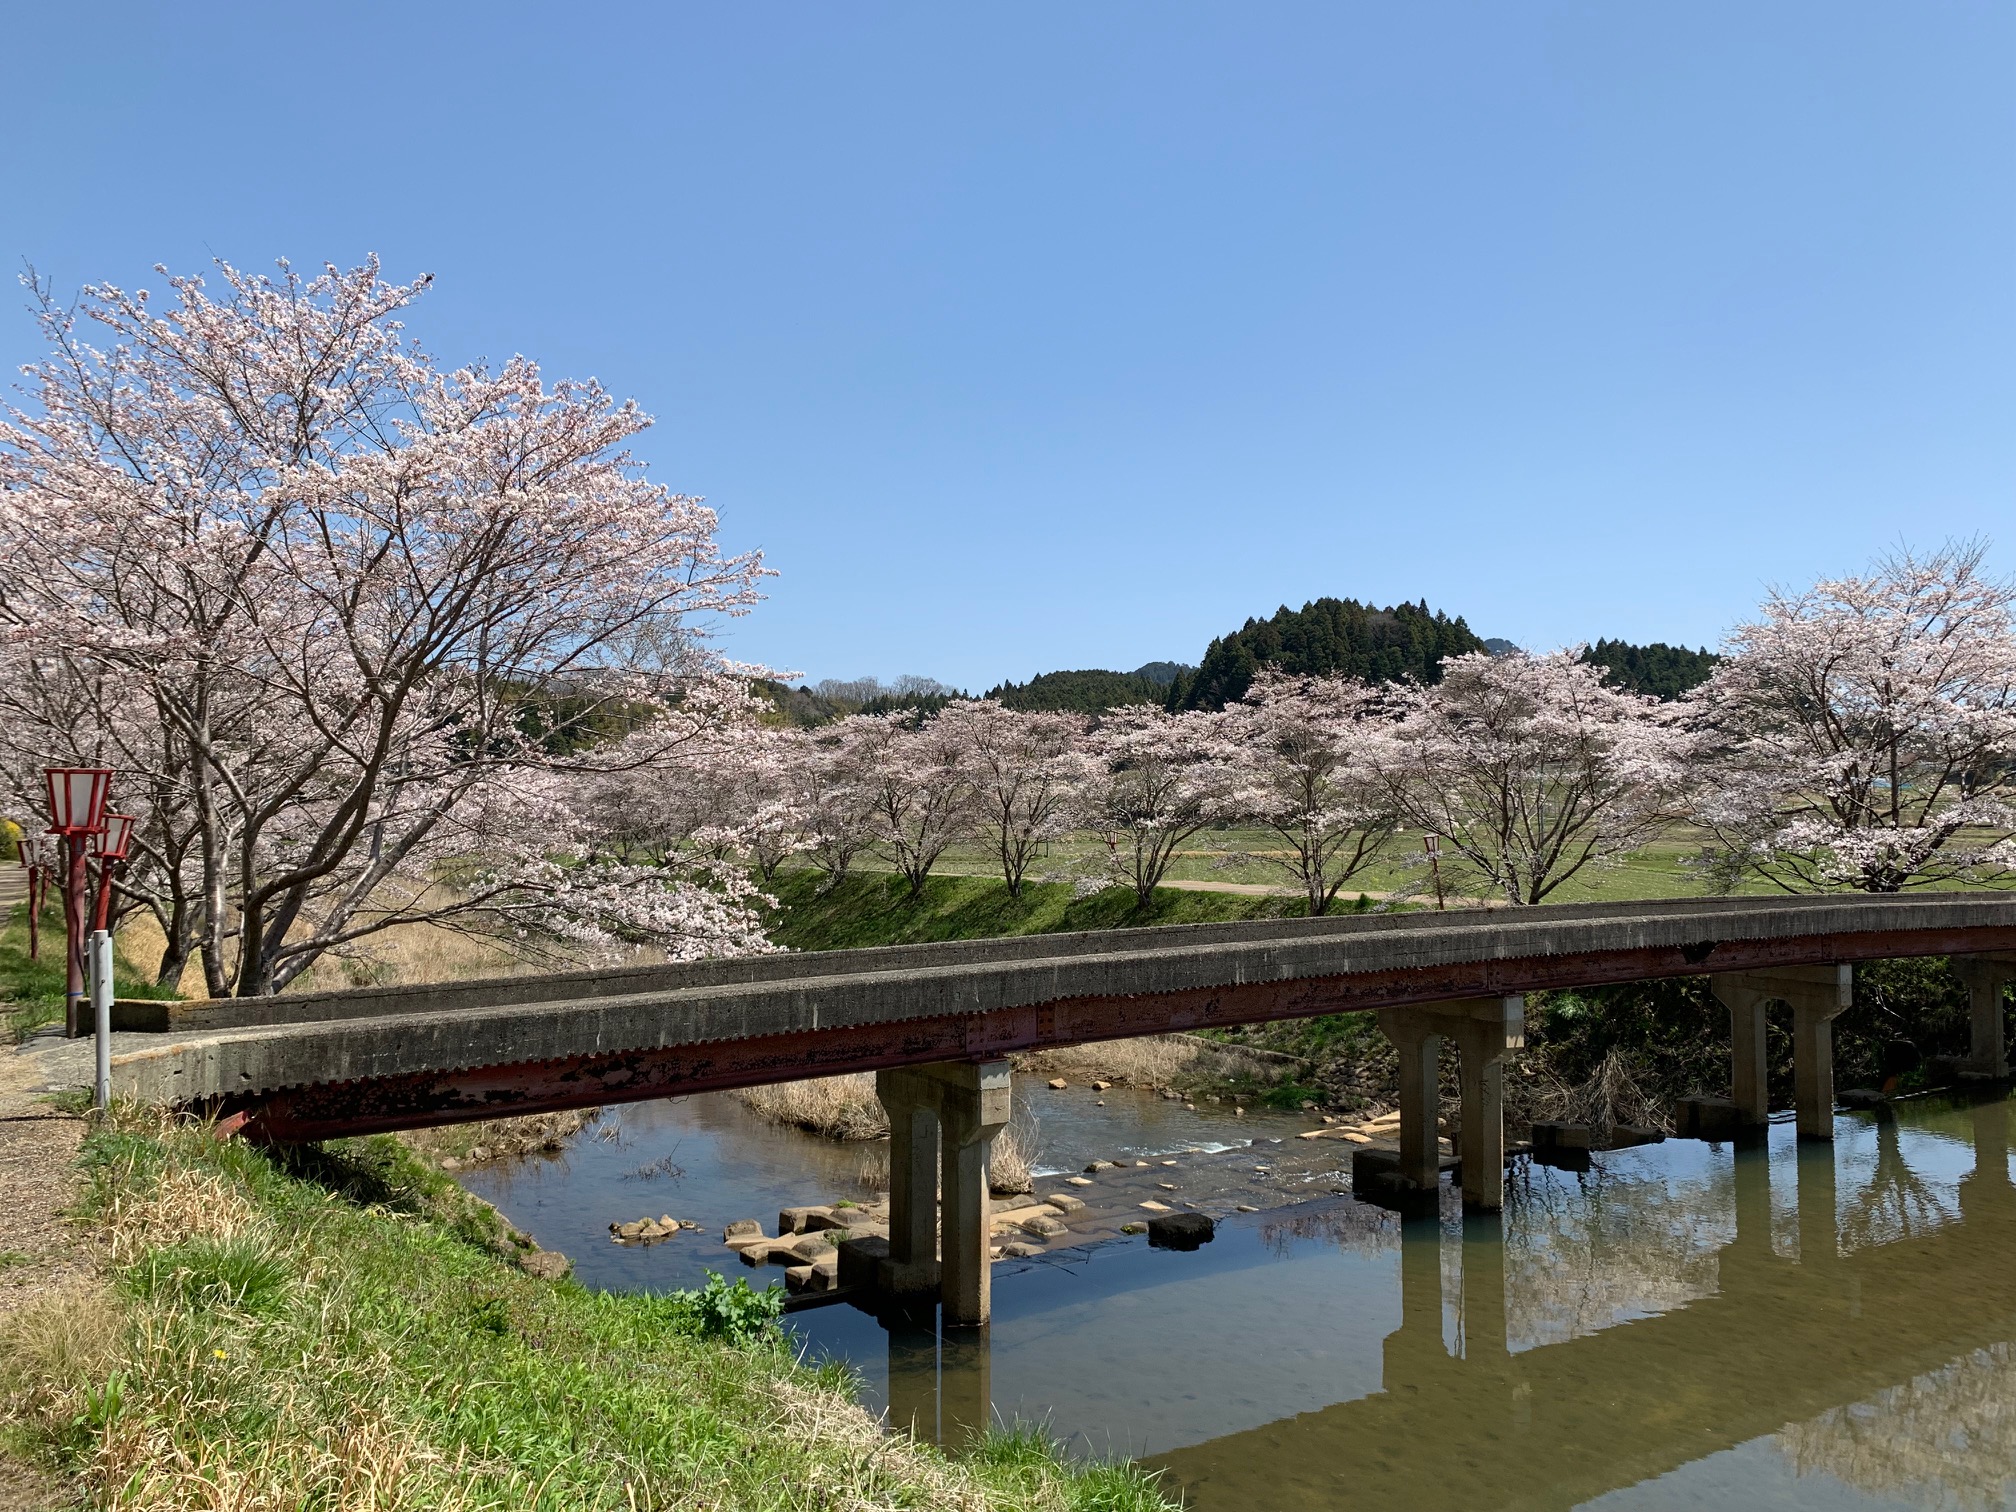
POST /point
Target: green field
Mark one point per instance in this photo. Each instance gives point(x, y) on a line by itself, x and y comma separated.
point(1659, 870)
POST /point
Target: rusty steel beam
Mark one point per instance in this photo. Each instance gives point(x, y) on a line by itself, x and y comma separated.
point(425, 1099)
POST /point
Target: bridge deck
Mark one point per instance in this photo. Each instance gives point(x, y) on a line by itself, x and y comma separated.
point(404, 1057)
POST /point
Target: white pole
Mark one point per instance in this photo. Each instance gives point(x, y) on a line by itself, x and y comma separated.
point(101, 1008)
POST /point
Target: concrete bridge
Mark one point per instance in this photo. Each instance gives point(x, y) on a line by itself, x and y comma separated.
point(937, 1021)
point(1549, 1428)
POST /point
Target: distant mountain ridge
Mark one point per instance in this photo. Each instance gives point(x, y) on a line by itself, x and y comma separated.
point(1091, 690)
point(1325, 637)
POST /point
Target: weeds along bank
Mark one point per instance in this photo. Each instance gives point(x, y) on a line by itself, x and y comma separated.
point(347, 1328)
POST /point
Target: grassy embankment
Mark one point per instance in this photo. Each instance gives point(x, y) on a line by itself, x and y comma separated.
point(875, 908)
point(344, 1328)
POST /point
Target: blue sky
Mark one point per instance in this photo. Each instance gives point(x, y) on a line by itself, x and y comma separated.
point(1041, 336)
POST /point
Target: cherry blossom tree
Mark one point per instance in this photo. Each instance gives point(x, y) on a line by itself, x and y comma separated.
point(1025, 769)
point(829, 791)
point(1863, 733)
point(1308, 752)
point(329, 605)
point(728, 797)
point(922, 787)
point(1157, 779)
point(1530, 769)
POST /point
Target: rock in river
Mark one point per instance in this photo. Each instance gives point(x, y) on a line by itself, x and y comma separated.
point(1180, 1231)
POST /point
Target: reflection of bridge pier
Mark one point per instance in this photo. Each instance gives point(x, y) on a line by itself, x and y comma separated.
point(940, 1381)
point(1986, 1191)
point(1558, 1424)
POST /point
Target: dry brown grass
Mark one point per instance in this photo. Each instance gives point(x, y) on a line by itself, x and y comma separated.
point(55, 1341)
point(495, 1138)
point(404, 955)
point(1613, 1094)
point(832, 1422)
point(184, 1204)
point(1157, 1060)
point(1011, 1160)
point(836, 1107)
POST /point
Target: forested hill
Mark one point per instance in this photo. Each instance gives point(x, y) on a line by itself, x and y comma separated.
point(1091, 691)
point(1327, 636)
point(1661, 670)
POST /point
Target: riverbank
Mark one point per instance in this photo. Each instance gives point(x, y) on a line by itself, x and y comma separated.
point(350, 1328)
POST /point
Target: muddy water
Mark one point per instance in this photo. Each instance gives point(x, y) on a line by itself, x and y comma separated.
point(1680, 1326)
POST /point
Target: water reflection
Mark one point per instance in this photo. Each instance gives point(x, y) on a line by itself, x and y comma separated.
point(1785, 1324)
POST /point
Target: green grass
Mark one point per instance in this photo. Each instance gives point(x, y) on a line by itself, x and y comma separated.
point(31, 992)
point(342, 1326)
point(875, 908)
point(1661, 869)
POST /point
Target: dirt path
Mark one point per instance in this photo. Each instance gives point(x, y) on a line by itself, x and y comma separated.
point(38, 1250)
point(1269, 890)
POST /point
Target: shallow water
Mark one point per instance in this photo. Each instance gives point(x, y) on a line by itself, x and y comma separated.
point(708, 1159)
point(1683, 1325)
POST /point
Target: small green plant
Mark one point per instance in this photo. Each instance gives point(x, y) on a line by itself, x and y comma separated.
point(846, 1202)
point(11, 1258)
point(103, 1404)
point(491, 1315)
point(734, 1314)
point(230, 1273)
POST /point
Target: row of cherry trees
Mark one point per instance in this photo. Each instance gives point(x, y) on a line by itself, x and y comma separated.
point(374, 642)
point(1862, 734)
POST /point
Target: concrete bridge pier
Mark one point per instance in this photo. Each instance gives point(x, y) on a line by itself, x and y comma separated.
point(1817, 995)
point(1986, 977)
point(947, 1115)
point(1485, 1030)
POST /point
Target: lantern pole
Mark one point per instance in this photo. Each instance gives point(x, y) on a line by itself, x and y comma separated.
point(76, 811)
point(77, 879)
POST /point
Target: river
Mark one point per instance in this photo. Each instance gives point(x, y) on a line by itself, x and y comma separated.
point(1679, 1325)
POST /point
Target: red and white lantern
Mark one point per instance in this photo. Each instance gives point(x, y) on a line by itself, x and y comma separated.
point(77, 798)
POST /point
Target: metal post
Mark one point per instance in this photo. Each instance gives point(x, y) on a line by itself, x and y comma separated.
point(101, 1013)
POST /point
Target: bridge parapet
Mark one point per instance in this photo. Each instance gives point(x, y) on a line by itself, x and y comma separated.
point(397, 1058)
